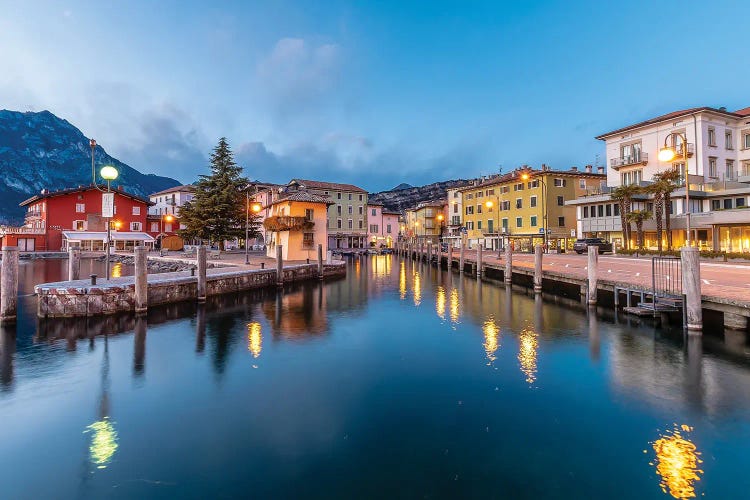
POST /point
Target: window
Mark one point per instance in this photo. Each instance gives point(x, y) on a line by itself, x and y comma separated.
point(730, 169)
point(560, 201)
point(479, 209)
point(715, 204)
point(593, 210)
point(560, 182)
point(308, 240)
point(479, 224)
point(561, 221)
point(585, 212)
point(519, 222)
point(388, 228)
point(712, 166)
point(600, 210)
point(350, 196)
point(469, 196)
point(455, 194)
point(361, 224)
point(505, 223)
point(532, 203)
point(727, 203)
point(325, 193)
point(80, 208)
point(519, 203)
point(631, 177)
point(136, 210)
point(338, 223)
point(469, 225)
point(309, 214)
point(338, 195)
point(469, 210)
point(168, 227)
point(533, 184)
point(361, 210)
point(728, 139)
point(480, 194)
point(608, 210)
point(360, 197)
point(739, 202)
point(135, 226)
point(154, 227)
point(518, 187)
point(533, 220)
point(455, 208)
point(490, 192)
point(506, 205)
point(617, 210)
point(746, 139)
point(373, 211)
point(351, 210)
point(505, 189)
point(79, 225)
point(711, 136)
point(351, 224)
point(582, 183)
point(338, 209)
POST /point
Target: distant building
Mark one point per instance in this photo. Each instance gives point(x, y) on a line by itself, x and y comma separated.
point(57, 220)
point(454, 225)
point(347, 215)
point(426, 222)
point(297, 221)
point(164, 216)
point(383, 227)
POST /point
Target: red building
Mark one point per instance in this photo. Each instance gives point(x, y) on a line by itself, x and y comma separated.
point(55, 220)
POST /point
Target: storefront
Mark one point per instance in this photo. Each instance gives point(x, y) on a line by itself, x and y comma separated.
point(94, 241)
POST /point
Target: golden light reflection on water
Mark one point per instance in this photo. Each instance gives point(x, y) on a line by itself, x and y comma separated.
point(116, 270)
point(440, 302)
point(417, 285)
point(677, 461)
point(455, 306)
point(527, 347)
point(254, 339)
point(103, 442)
point(491, 338)
point(402, 280)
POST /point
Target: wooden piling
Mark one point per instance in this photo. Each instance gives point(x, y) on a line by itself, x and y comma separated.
point(320, 261)
point(141, 279)
point(593, 267)
point(508, 277)
point(279, 266)
point(9, 285)
point(538, 268)
point(74, 264)
point(201, 264)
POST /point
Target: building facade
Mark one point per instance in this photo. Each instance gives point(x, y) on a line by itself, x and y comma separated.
point(164, 216)
point(426, 221)
point(297, 221)
point(347, 215)
point(383, 226)
point(717, 171)
point(454, 217)
point(526, 207)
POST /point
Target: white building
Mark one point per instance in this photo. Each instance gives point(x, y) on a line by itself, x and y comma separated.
point(718, 168)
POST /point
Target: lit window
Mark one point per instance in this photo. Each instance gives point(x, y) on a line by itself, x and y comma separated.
point(80, 208)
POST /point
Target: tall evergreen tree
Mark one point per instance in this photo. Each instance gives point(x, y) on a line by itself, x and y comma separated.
point(217, 211)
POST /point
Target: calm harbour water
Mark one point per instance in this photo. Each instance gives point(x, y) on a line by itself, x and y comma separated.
point(398, 381)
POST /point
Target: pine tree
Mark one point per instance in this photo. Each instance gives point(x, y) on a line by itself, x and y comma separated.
point(217, 211)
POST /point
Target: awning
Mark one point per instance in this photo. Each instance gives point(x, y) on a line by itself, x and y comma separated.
point(102, 236)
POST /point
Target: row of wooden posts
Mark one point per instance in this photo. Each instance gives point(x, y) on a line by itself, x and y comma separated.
point(426, 251)
point(9, 277)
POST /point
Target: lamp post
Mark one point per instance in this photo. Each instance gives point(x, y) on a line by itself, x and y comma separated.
point(667, 154)
point(440, 218)
point(526, 176)
point(255, 208)
point(108, 173)
point(168, 218)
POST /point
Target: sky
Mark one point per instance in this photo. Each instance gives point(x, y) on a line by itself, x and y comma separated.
point(370, 93)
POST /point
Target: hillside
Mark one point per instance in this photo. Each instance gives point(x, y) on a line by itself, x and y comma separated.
point(404, 196)
point(42, 151)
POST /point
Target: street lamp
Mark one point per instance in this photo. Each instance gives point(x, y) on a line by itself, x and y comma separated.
point(108, 173)
point(168, 218)
point(255, 208)
point(667, 154)
point(526, 176)
point(440, 218)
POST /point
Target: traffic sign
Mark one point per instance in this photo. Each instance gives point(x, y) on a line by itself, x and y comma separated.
point(108, 205)
point(541, 230)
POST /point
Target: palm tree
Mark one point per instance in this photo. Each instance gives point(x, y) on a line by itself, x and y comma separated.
point(638, 216)
point(624, 196)
point(668, 180)
point(657, 189)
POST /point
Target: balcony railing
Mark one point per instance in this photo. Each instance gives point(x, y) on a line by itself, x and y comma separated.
point(679, 150)
point(33, 213)
point(624, 161)
point(287, 223)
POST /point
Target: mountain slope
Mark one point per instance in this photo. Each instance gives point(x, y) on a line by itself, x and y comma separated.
point(41, 151)
point(403, 196)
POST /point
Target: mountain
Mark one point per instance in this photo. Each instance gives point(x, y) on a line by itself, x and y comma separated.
point(404, 196)
point(41, 151)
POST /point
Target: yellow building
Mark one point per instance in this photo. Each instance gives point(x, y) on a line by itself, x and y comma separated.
point(298, 222)
point(518, 207)
point(427, 221)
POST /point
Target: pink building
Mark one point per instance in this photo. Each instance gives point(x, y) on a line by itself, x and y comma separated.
point(382, 228)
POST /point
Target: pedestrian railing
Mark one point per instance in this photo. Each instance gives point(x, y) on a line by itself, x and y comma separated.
point(666, 276)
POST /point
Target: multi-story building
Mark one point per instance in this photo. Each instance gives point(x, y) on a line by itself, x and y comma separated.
point(164, 216)
point(454, 218)
point(426, 222)
point(521, 206)
point(718, 171)
point(297, 221)
point(382, 226)
point(347, 215)
point(55, 220)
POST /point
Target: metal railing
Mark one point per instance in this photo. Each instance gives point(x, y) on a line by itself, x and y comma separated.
point(629, 160)
point(666, 276)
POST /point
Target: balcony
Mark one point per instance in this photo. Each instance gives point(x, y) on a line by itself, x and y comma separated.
point(679, 151)
point(287, 223)
point(640, 158)
point(31, 214)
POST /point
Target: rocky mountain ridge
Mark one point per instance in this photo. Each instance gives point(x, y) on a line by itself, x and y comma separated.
point(401, 198)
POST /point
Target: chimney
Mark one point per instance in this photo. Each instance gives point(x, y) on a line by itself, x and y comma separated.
point(588, 169)
point(723, 108)
point(599, 170)
point(574, 169)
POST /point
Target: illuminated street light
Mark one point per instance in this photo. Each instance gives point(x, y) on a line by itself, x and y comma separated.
point(109, 173)
point(669, 153)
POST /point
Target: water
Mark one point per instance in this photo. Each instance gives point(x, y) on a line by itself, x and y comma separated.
point(397, 381)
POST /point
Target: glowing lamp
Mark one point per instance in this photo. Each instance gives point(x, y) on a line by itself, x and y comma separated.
point(440, 217)
point(118, 224)
point(255, 207)
point(666, 154)
point(488, 204)
point(109, 173)
point(169, 218)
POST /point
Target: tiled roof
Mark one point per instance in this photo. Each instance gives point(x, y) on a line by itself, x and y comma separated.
point(304, 196)
point(327, 185)
point(82, 189)
point(177, 189)
point(673, 115)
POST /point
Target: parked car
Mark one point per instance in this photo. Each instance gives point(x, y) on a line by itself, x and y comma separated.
point(582, 245)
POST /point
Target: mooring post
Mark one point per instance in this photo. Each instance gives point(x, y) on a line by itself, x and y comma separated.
point(508, 277)
point(329, 257)
point(691, 284)
point(320, 261)
point(141, 279)
point(479, 260)
point(461, 261)
point(429, 253)
point(593, 269)
point(201, 256)
point(538, 268)
point(74, 263)
point(279, 266)
point(449, 264)
point(9, 285)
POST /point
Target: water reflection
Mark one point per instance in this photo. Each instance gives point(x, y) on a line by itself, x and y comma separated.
point(7, 353)
point(417, 288)
point(254, 339)
point(677, 462)
point(455, 306)
point(440, 302)
point(527, 347)
point(103, 433)
point(139, 344)
point(402, 280)
point(491, 338)
point(116, 270)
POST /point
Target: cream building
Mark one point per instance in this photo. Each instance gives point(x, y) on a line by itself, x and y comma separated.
point(297, 221)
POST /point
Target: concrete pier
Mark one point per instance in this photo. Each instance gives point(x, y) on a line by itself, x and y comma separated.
point(9, 285)
point(74, 264)
point(479, 260)
point(538, 268)
point(735, 322)
point(141, 279)
point(691, 286)
point(508, 276)
point(201, 258)
point(461, 261)
point(593, 268)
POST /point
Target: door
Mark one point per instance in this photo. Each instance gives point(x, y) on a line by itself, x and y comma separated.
point(26, 244)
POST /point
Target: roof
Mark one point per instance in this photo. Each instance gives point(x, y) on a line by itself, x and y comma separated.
point(390, 212)
point(187, 188)
point(304, 196)
point(514, 177)
point(677, 114)
point(327, 185)
point(81, 189)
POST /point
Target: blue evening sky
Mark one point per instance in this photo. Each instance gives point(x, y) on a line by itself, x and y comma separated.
point(373, 93)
